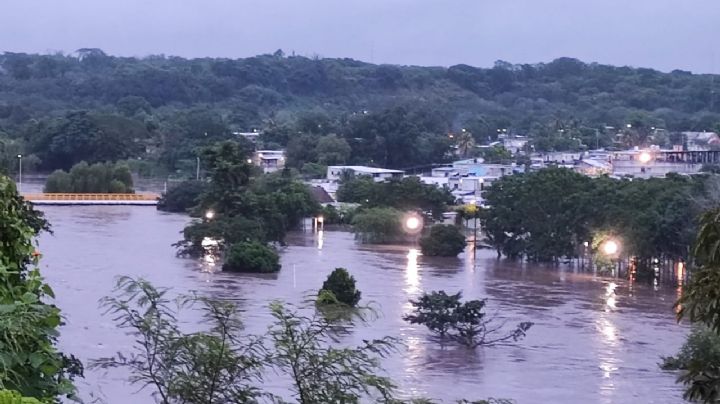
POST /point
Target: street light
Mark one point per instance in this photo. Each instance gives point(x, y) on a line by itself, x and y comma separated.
point(610, 247)
point(209, 215)
point(645, 157)
point(19, 156)
point(412, 223)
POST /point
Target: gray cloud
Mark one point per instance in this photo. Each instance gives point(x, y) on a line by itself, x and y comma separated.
point(664, 34)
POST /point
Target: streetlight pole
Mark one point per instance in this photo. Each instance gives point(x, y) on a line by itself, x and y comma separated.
point(19, 172)
point(197, 170)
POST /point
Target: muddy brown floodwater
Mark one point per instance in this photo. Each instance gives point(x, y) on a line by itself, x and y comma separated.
point(595, 340)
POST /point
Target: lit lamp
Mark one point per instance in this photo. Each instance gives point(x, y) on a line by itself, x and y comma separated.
point(610, 247)
point(645, 157)
point(412, 223)
point(209, 215)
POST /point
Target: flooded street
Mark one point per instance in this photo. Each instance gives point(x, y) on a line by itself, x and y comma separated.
point(595, 340)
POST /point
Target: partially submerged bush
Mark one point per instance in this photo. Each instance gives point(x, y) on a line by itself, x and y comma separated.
point(444, 240)
point(251, 256)
point(341, 285)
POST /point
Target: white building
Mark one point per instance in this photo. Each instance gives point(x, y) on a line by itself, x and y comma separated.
point(652, 163)
point(701, 141)
point(269, 160)
point(251, 136)
point(515, 144)
point(334, 173)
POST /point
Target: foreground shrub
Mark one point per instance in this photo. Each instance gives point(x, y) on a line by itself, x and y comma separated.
point(251, 256)
point(339, 285)
point(444, 240)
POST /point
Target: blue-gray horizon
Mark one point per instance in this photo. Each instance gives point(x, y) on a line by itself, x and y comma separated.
point(659, 34)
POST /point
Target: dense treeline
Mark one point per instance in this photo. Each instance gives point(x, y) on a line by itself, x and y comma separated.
point(96, 178)
point(550, 214)
point(94, 107)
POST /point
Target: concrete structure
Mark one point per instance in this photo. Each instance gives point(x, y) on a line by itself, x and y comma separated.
point(269, 160)
point(145, 199)
point(251, 136)
point(593, 167)
point(515, 144)
point(658, 163)
point(701, 141)
point(334, 173)
point(561, 157)
point(477, 168)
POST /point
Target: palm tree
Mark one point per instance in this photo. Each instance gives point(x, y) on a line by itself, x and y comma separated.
point(465, 143)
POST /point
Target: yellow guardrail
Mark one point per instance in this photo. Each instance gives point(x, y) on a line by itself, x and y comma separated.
point(91, 197)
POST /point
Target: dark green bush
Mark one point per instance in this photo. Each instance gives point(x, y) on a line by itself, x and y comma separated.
point(96, 178)
point(251, 256)
point(444, 240)
point(182, 197)
point(342, 286)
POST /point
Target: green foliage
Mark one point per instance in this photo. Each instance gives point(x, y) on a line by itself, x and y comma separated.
point(444, 240)
point(29, 361)
point(216, 365)
point(13, 397)
point(342, 287)
point(182, 197)
point(321, 373)
point(408, 193)
point(549, 214)
point(496, 154)
point(222, 365)
point(463, 322)
point(702, 345)
point(96, 178)
point(248, 206)
point(378, 225)
point(251, 256)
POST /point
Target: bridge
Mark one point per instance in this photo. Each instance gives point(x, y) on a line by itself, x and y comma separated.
point(143, 199)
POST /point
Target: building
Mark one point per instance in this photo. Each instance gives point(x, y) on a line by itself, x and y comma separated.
point(334, 173)
point(251, 136)
point(561, 157)
point(477, 168)
point(593, 167)
point(658, 163)
point(269, 160)
point(515, 144)
point(701, 141)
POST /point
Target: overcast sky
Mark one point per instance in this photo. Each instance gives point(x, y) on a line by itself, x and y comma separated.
point(663, 34)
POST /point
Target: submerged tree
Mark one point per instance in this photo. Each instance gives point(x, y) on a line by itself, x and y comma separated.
point(342, 287)
point(464, 322)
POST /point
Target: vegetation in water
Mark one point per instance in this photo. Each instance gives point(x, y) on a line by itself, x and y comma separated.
point(408, 193)
point(30, 362)
point(251, 256)
point(464, 322)
point(98, 178)
point(339, 287)
point(378, 225)
point(549, 214)
point(443, 240)
point(182, 197)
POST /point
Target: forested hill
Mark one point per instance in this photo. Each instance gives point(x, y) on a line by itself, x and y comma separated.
point(177, 104)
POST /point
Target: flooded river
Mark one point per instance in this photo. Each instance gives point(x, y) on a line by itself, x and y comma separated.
point(595, 340)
